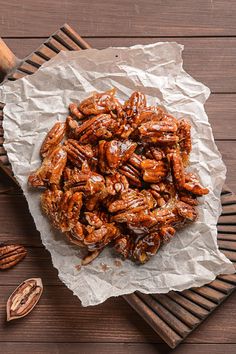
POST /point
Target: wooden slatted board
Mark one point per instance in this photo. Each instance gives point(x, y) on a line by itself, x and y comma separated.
point(176, 314)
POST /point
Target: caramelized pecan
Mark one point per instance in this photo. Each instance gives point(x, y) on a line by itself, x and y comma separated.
point(53, 138)
point(50, 172)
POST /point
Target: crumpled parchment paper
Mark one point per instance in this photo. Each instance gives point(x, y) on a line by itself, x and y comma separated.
point(35, 103)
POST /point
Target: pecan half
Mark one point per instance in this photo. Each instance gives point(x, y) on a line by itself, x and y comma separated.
point(78, 153)
point(185, 144)
point(147, 247)
point(112, 154)
point(75, 112)
point(50, 172)
point(162, 132)
point(53, 138)
point(103, 102)
point(154, 171)
point(10, 255)
point(24, 298)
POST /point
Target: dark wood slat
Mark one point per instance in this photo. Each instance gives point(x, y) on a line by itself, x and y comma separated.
point(209, 293)
point(164, 331)
point(75, 36)
point(231, 278)
point(199, 55)
point(222, 286)
point(227, 245)
point(56, 45)
point(198, 299)
point(27, 68)
point(66, 40)
point(228, 200)
point(35, 60)
point(231, 229)
point(226, 237)
point(229, 209)
point(178, 326)
point(117, 348)
point(227, 219)
point(181, 313)
point(46, 52)
point(119, 18)
point(230, 254)
point(190, 306)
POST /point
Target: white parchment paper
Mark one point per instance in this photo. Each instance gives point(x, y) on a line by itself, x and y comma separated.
point(35, 103)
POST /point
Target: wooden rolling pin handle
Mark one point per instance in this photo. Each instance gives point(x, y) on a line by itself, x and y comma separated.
point(8, 61)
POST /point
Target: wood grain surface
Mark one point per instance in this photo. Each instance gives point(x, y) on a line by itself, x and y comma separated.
point(119, 17)
point(207, 29)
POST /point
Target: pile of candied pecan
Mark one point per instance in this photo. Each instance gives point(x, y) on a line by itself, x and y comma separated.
point(115, 174)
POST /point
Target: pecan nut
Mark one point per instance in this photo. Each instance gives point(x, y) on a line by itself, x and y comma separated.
point(10, 255)
point(50, 172)
point(24, 298)
point(53, 138)
point(112, 154)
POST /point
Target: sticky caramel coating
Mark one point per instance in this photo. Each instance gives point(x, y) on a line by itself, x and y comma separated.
point(114, 174)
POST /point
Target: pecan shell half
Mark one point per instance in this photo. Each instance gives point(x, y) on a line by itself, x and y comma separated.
point(24, 298)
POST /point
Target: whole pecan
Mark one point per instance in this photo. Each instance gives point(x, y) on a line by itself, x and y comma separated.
point(24, 298)
point(10, 255)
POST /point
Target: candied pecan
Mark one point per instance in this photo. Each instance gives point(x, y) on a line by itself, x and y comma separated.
point(177, 169)
point(72, 127)
point(104, 102)
point(98, 238)
point(131, 117)
point(146, 247)
point(101, 126)
point(153, 171)
point(116, 183)
point(124, 245)
point(187, 211)
point(76, 235)
point(155, 153)
point(185, 144)
point(53, 138)
point(63, 209)
point(188, 198)
point(163, 192)
point(111, 154)
point(50, 172)
point(193, 185)
point(77, 153)
point(132, 170)
point(75, 112)
point(162, 132)
point(167, 215)
point(129, 200)
point(166, 233)
point(132, 208)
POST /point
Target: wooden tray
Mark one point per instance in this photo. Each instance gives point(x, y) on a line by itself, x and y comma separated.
point(176, 314)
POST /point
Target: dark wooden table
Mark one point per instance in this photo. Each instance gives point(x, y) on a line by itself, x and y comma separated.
point(59, 324)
